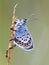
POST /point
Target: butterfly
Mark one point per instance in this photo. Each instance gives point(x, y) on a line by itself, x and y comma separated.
point(22, 36)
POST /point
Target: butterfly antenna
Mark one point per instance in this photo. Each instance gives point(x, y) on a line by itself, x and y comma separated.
point(30, 17)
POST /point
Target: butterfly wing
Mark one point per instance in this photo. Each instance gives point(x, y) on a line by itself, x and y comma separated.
point(23, 38)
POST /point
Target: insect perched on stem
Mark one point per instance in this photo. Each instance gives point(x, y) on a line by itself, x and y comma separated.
point(20, 36)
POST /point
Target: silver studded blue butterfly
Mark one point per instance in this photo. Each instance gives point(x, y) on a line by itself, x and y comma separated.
point(22, 36)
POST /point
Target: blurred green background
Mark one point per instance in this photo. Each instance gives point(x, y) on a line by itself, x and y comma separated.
point(38, 26)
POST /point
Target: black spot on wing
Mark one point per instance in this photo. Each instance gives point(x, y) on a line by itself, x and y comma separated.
point(18, 37)
point(27, 33)
point(30, 47)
